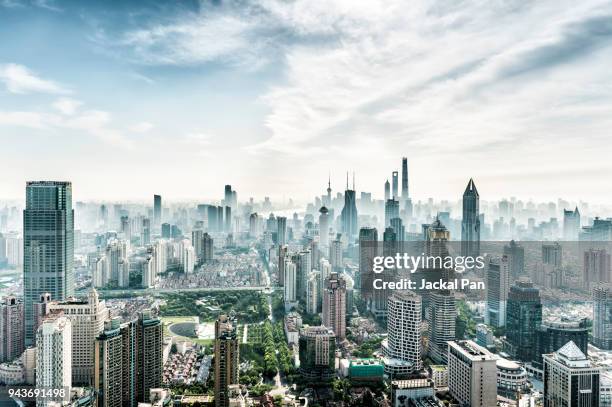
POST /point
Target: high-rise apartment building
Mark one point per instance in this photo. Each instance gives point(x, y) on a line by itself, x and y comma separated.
point(402, 348)
point(470, 223)
point(516, 257)
point(391, 211)
point(11, 329)
point(571, 224)
point(442, 319)
point(54, 356)
point(108, 365)
point(334, 305)
point(281, 230)
point(570, 380)
point(472, 374)
point(368, 249)
point(226, 359)
point(324, 228)
point(48, 239)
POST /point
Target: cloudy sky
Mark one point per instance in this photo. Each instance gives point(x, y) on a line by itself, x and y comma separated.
point(127, 99)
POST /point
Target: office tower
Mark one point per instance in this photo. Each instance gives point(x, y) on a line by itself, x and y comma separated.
point(391, 211)
point(498, 286)
point(394, 185)
point(552, 254)
point(387, 190)
point(11, 329)
point(317, 350)
point(552, 335)
point(368, 249)
point(290, 287)
point(166, 231)
point(146, 231)
point(596, 267)
point(281, 230)
point(472, 374)
point(188, 258)
point(402, 348)
point(149, 354)
point(398, 227)
point(335, 255)
point(570, 380)
point(227, 198)
point(405, 192)
point(40, 311)
point(253, 225)
point(54, 355)
point(303, 263)
point(516, 258)
point(124, 273)
point(602, 316)
point(87, 317)
point(334, 305)
point(220, 224)
point(523, 318)
point(48, 226)
point(571, 224)
point(226, 359)
point(324, 228)
point(470, 224)
point(348, 215)
point(207, 248)
point(157, 211)
point(108, 369)
point(442, 318)
point(312, 292)
point(196, 240)
point(227, 228)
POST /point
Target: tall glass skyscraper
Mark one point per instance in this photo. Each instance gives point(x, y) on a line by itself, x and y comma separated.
point(470, 224)
point(48, 242)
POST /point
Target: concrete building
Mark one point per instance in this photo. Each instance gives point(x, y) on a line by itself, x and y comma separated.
point(402, 348)
point(11, 329)
point(334, 305)
point(226, 359)
point(602, 316)
point(472, 374)
point(54, 355)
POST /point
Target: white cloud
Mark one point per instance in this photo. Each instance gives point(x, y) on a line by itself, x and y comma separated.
point(141, 127)
point(67, 106)
point(19, 79)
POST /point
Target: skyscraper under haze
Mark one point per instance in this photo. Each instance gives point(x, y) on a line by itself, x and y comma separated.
point(405, 191)
point(157, 210)
point(349, 213)
point(48, 239)
point(394, 185)
point(470, 224)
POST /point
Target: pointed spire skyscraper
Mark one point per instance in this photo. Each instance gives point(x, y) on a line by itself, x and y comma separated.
point(470, 224)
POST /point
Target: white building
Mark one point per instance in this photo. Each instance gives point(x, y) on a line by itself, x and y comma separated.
point(87, 317)
point(54, 355)
point(402, 348)
point(472, 374)
point(312, 292)
point(570, 380)
point(290, 295)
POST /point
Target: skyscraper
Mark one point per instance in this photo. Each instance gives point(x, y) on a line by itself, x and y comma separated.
point(602, 316)
point(226, 359)
point(570, 380)
point(472, 374)
point(334, 305)
point(207, 248)
point(442, 318)
point(368, 249)
point(149, 354)
point(157, 211)
point(470, 224)
point(324, 228)
point(571, 224)
point(523, 318)
point(391, 211)
point(405, 191)
point(54, 355)
point(596, 267)
point(290, 280)
point(498, 286)
point(402, 348)
point(281, 230)
point(387, 190)
point(348, 215)
point(11, 329)
point(516, 257)
point(108, 365)
point(394, 185)
point(48, 226)
point(552, 335)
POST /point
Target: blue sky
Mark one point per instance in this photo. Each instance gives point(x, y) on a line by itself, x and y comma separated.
point(127, 99)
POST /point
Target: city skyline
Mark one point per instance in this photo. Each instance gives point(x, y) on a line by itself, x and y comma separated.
point(124, 101)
